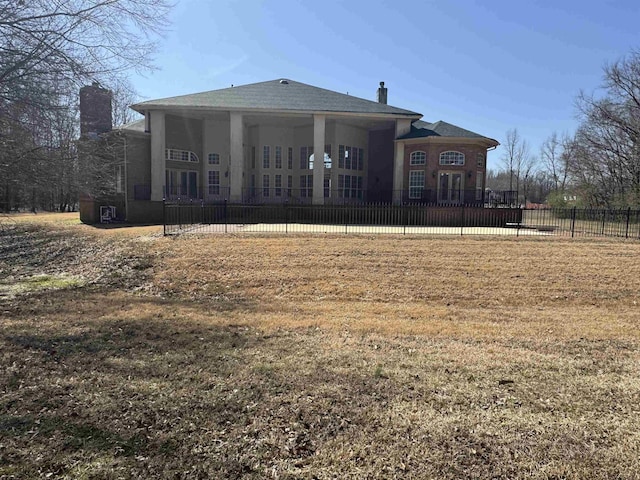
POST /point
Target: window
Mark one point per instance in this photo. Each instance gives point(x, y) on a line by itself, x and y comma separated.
point(418, 158)
point(214, 182)
point(305, 153)
point(181, 184)
point(350, 186)
point(278, 157)
point(278, 186)
point(290, 158)
point(350, 158)
point(265, 185)
point(327, 156)
point(266, 154)
point(451, 158)
point(176, 155)
point(479, 189)
point(480, 160)
point(416, 183)
point(306, 185)
point(327, 185)
point(289, 184)
point(120, 179)
point(214, 159)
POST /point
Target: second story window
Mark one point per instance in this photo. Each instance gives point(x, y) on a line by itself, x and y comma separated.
point(418, 158)
point(451, 158)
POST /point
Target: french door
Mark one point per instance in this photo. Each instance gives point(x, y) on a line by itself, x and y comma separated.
point(450, 187)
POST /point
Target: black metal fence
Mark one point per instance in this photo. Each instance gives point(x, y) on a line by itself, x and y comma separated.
point(199, 217)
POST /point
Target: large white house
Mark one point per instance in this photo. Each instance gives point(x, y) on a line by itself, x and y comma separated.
point(258, 143)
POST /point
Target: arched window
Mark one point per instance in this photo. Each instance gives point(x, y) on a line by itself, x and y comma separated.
point(451, 158)
point(418, 158)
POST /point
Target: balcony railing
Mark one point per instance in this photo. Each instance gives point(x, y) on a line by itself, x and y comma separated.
point(344, 196)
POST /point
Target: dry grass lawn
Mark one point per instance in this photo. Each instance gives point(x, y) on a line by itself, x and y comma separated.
point(129, 355)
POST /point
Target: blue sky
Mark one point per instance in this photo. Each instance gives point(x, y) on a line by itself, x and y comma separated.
point(486, 66)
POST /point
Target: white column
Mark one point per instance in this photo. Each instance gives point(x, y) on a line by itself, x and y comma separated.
point(402, 128)
point(158, 163)
point(318, 159)
point(236, 157)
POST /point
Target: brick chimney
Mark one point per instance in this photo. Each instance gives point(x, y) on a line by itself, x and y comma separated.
point(382, 94)
point(95, 110)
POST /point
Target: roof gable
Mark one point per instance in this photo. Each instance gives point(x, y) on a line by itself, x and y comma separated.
point(421, 129)
point(281, 95)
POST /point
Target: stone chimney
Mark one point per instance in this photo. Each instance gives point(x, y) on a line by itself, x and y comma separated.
point(382, 94)
point(95, 110)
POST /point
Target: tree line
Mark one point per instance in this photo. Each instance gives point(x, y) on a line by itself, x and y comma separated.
point(48, 50)
point(596, 166)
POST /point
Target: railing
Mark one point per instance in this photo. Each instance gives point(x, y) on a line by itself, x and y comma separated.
point(343, 196)
point(199, 217)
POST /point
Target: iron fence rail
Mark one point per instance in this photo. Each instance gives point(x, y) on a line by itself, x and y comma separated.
point(199, 217)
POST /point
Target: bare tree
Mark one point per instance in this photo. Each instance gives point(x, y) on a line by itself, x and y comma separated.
point(48, 48)
point(74, 40)
point(516, 159)
point(607, 163)
point(556, 153)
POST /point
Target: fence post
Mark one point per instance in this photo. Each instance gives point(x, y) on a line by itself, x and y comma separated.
point(164, 217)
point(462, 219)
point(404, 214)
point(573, 221)
point(225, 215)
point(286, 217)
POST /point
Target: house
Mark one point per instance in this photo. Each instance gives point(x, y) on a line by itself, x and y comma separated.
point(259, 143)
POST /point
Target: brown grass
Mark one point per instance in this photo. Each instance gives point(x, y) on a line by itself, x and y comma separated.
point(320, 357)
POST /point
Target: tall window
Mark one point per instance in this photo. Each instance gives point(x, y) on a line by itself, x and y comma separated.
point(350, 186)
point(265, 185)
point(290, 158)
point(278, 186)
point(418, 158)
point(278, 157)
point(266, 154)
point(214, 182)
point(289, 185)
point(416, 183)
point(480, 158)
point(479, 189)
point(305, 153)
point(214, 159)
point(451, 158)
point(306, 185)
point(341, 156)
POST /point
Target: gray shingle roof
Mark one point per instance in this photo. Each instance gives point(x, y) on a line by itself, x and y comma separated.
point(420, 129)
point(135, 126)
point(286, 95)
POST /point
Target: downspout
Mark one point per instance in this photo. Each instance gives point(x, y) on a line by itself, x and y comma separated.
point(126, 181)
